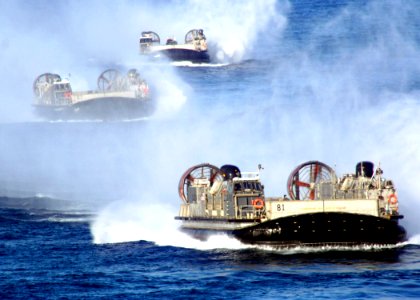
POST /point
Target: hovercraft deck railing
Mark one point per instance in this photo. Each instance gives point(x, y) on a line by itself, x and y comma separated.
point(250, 212)
point(243, 212)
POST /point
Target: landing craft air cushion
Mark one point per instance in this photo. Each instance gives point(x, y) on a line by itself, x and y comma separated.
point(118, 98)
point(194, 49)
point(321, 209)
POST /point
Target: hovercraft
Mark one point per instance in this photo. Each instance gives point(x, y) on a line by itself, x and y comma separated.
point(118, 97)
point(321, 209)
point(194, 49)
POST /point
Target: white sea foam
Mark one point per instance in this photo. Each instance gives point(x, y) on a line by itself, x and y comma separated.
point(327, 248)
point(122, 222)
point(414, 240)
point(198, 65)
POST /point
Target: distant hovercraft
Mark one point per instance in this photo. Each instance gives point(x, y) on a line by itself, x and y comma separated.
point(117, 98)
point(194, 49)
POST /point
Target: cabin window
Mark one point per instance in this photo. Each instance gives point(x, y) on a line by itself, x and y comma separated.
point(248, 185)
point(245, 201)
point(62, 87)
point(145, 41)
point(192, 194)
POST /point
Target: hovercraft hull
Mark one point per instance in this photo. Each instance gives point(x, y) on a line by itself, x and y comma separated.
point(194, 56)
point(314, 229)
point(106, 108)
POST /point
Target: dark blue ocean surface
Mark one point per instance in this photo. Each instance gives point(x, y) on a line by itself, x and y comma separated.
point(50, 255)
point(87, 208)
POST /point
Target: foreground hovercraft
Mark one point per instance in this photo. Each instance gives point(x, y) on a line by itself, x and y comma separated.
point(194, 49)
point(321, 210)
point(118, 98)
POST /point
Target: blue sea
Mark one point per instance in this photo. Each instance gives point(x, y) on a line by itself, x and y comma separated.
point(87, 207)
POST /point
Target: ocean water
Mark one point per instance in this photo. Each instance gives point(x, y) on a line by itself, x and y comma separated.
point(87, 208)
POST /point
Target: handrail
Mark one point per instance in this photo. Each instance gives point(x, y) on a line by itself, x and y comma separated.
point(249, 212)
